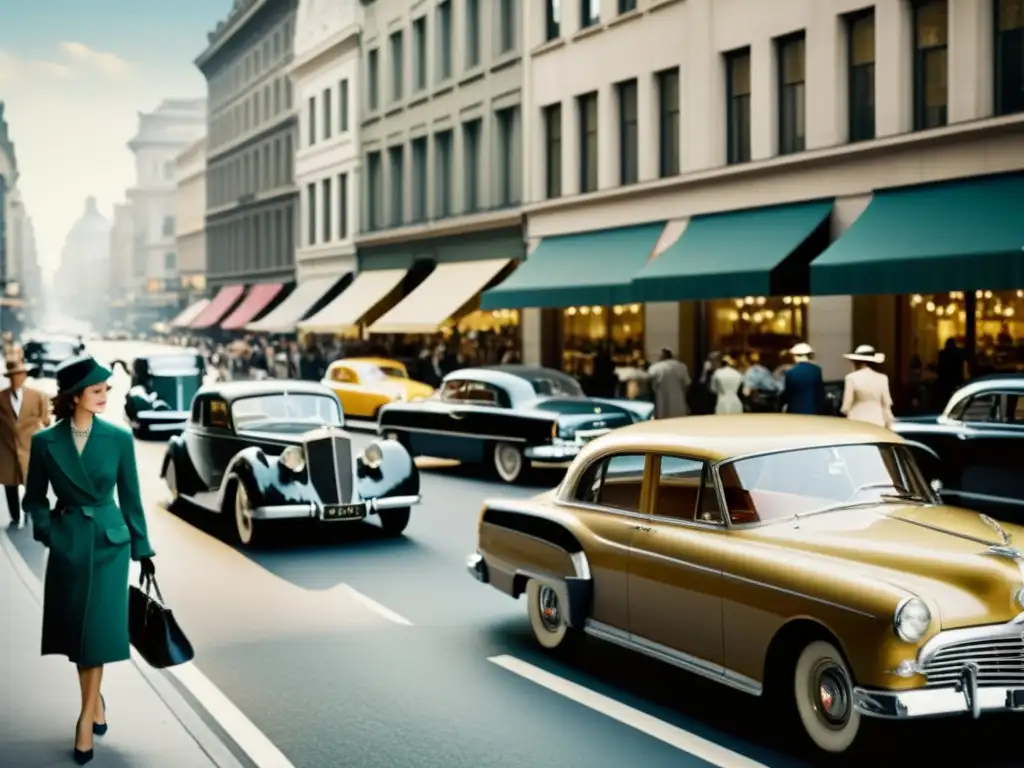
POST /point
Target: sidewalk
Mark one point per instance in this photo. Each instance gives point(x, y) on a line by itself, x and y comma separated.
point(39, 697)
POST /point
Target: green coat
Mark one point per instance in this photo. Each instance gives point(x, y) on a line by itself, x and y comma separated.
point(85, 604)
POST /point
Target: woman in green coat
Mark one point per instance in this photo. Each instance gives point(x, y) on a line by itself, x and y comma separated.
point(91, 539)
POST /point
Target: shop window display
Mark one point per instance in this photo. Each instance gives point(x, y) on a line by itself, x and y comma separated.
point(586, 330)
point(999, 318)
point(767, 325)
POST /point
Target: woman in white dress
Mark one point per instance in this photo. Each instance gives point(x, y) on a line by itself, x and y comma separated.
point(866, 394)
point(726, 383)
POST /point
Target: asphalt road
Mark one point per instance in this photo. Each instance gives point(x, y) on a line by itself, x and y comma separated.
point(348, 649)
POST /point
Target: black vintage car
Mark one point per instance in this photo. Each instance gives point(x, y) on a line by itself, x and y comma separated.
point(258, 452)
point(506, 416)
point(162, 388)
point(47, 353)
point(979, 438)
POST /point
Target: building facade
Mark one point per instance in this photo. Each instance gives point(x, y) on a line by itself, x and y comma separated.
point(325, 80)
point(190, 219)
point(122, 280)
point(20, 279)
point(442, 142)
point(162, 135)
point(670, 113)
point(80, 287)
point(251, 202)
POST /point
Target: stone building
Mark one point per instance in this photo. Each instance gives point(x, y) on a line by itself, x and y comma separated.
point(190, 219)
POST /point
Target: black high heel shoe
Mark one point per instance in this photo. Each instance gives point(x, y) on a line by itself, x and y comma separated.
point(82, 756)
point(100, 729)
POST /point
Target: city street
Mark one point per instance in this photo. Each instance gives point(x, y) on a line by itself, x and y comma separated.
point(344, 648)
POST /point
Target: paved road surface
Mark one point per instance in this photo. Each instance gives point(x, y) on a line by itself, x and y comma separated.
point(343, 648)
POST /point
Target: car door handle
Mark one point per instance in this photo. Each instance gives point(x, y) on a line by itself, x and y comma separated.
point(644, 528)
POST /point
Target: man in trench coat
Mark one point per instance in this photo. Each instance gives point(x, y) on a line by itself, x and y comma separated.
point(23, 412)
point(91, 540)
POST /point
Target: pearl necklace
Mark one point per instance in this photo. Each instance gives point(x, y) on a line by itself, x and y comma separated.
point(81, 432)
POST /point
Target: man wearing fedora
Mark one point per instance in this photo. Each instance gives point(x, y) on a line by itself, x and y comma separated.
point(804, 390)
point(23, 412)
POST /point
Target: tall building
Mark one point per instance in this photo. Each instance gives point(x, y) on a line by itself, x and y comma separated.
point(81, 285)
point(741, 176)
point(162, 135)
point(190, 219)
point(20, 281)
point(122, 279)
point(251, 205)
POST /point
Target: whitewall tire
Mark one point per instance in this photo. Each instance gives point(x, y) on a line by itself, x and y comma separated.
point(509, 462)
point(823, 693)
point(245, 525)
point(171, 478)
point(548, 616)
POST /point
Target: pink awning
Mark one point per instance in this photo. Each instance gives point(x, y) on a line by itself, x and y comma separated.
point(222, 303)
point(259, 298)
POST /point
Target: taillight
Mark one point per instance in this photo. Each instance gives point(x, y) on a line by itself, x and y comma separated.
point(554, 429)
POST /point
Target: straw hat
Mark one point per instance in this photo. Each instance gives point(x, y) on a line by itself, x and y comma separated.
point(865, 353)
point(17, 366)
point(803, 349)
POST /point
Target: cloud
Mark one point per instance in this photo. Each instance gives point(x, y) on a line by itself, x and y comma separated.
point(75, 59)
point(107, 63)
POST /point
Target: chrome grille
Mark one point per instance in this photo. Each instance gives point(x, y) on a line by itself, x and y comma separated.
point(584, 436)
point(329, 463)
point(1000, 661)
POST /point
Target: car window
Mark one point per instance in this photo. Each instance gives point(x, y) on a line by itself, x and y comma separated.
point(451, 389)
point(343, 375)
point(394, 371)
point(615, 481)
point(678, 490)
point(983, 408)
point(473, 393)
point(265, 412)
point(217, 415)
point(1015, 408)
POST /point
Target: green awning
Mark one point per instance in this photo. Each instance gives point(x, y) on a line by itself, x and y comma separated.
point(754, 252)
point(951, 236)
point(592, 268)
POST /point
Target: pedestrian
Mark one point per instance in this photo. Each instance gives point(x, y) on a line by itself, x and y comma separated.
point(726, 383)
point(23, 412)
point(804, 387)
point(670, 380)
point(866, 395)
point(91, 540)
point(760, 387)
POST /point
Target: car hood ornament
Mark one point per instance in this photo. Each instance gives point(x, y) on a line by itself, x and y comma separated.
point(1006, 537)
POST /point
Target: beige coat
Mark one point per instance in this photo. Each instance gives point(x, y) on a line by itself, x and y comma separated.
point(16, 434)
point(866, 397)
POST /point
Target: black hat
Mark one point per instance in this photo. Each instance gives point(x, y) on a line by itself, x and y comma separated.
point(77, 373)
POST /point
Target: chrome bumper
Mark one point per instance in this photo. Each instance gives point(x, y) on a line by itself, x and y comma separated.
point(310, 510)
point(555, 452)
point(392, 502)
point(477, 568)
point(963, 699)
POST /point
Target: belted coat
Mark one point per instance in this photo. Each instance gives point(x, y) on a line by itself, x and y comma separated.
point(90, 537)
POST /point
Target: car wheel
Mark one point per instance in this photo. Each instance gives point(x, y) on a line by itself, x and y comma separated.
point(171, 478)
point(245, 525)
point(547, 617)
point(823, 691)
point(509, 462)
point(394, 521)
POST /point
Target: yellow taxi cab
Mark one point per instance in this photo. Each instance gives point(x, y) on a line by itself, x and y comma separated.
point(364, 384)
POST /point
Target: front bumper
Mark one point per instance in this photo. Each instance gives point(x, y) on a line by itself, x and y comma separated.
point(309, 510)
point(963, 699)
point(478, 568)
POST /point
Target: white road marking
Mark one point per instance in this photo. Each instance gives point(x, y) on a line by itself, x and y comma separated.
point(688, 742)
point(247, 736)
point(376, 607)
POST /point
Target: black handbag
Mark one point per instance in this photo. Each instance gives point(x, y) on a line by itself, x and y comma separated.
point(152, 628)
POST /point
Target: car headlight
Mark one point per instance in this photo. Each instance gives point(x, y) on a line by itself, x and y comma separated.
point(293, 458)
point(912, 619)
point(1020, 598)
point(373, 456)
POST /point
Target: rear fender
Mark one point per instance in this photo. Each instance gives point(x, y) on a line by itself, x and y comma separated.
point(397, 474)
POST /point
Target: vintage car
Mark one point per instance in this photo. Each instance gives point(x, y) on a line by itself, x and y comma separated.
point(507, 416)
point(260, 452)
point(980, 439)
point(162, 387)
point(364, 384)
point(805, 558)
point(45, 354)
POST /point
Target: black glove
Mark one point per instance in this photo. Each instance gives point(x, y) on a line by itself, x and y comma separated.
point(148, 569)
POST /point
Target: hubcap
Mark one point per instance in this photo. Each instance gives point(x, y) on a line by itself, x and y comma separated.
point(508, 460)
point(243, 514)
point(830, 692)
point(550, 612)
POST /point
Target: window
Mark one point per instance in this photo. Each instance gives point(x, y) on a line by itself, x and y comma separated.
point(375, 190)
point(587, 106)
point(443, 158)
point(506, 25)
point(373, 80)
point(343, 105)
point(311, 214)
point(590, 13)
point(615, 482)
point(553, 150)
point(444, 40)
point(419, 179)
point(170, 261)
point(277, 96)
point(471, 163)
point(931, 65)
point(1009, 74)
point(168, 226)
point(552, 19)
point(326, 205)
point(328, 113)
point(792, 94)
point(217, 415)
point(686, 491)
point(342, 206)
point(629, 140)
point(506, 124)
point(472, 33)
point(419, 54)
point(625, 6)
point(312, 121)
point(860, 31)
point(738, 105)
point(397, 66)
point(668, 122)
point(396, 164)
point(478, 392)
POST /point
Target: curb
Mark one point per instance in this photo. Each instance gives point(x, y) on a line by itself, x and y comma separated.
point(221, 750)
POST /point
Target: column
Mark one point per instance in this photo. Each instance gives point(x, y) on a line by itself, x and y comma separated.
point(825, 78)
point(530, 328)
point(894, 58)
point(764, 100)
point(648, 123)
point(971, 65)
point(701, 94)
point(607, 138)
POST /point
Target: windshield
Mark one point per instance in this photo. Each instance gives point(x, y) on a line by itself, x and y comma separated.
point(369, 374)
point(268, 411)
point(784, 485)
point(169, 364)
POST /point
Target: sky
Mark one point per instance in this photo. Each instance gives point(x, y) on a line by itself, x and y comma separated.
point(73, 76)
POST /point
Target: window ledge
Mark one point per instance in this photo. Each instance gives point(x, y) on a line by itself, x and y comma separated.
point(444, 86)
point(471, 77)
point(548, 45)
point(506, 60)
point(628, 16)
point(659, 5)
point(593, 29)
point(420, 98)
point(393, 110)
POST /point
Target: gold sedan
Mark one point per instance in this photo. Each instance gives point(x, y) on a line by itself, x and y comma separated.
point(806, 559)
point(364, 384)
